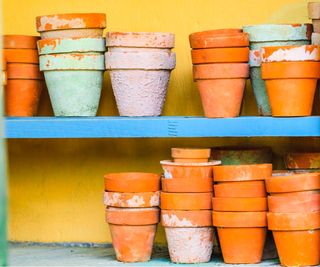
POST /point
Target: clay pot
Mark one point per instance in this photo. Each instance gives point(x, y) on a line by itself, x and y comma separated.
point(189, 235)
point(133, 232)
point(297, 237)
point(242, 155)
point(132, 182)
point(188, 170)
point(24, 71)
point(239, 204)
point(190, 154)
point(210, 78)
point(21, 55)
point(242, 235)
point(302, 161)
point(314, 14)
point(186, 201)
point(20, 42)
point(254, 172)
point(245, 189)
point(132, 200)
point(177, 185)
point(291, 86)
point(71, 25)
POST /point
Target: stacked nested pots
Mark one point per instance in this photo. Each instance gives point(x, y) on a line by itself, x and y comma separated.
point(240, 211)
point(140, 64)
point(271, 35)
point(291, 74)
point(72, 59)
point(24, 79)
point(303, 161)
point(186, 205)
point(132, 201)
point(294, 217)
point(220, 69)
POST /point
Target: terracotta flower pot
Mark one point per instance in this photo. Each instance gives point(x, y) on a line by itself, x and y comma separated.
point(24, 71)
point(71, 25)
point(234, 173)
point(189, 235)
point(297, 237)
point(302, 161)
point(188, 170)
point(132, 182)
point(178, 185)
point(254, 189)
point(242, 155)
point(21, 55)
point(314, 14)
point(239, 204)
point(186, 201)
point(242, 235)
point(190, 154)
point(133, 232)
point(20, 42)
point(132, 200)
point(291, 86)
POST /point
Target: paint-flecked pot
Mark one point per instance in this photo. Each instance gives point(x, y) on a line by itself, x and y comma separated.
point(240, 189)
point(140, 80)
point(177, 185)
point(74, 82)
point(71, 25)
point(190, 154)
point(133, 232)
point(302, 160)
point(20, 41)
point(186, 201)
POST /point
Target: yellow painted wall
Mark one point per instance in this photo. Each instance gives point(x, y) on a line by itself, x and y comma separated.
point(55, 186)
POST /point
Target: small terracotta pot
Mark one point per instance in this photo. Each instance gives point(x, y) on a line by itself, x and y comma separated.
point(297, 237)
point(190, 154)
point(132, 200)
point(133, 232)
point(254, 189)
point(302, 161)
point(239, 204)
point(21, 55)
point(132, 182)
point(186, 201)
point(187, 170)
point(20, 42)
point(71, 25)
point(177, 185)
point(242, 235)
point(234, 173)
point(189, 235)
point(24, 71)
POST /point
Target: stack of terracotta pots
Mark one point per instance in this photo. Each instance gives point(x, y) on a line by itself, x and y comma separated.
point(140, 64)
point(294, 217)
point(291, 74)
point(186, 205)
point(303, 161)
point(271, 35)
point(25, 81)
point(220, 60)
point(132, 201)
point(72, 59)
point(239, 211)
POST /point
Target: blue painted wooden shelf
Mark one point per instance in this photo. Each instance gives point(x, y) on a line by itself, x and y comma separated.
point(157, 127)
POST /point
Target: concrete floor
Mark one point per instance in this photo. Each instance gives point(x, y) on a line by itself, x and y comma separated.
point(58, 255)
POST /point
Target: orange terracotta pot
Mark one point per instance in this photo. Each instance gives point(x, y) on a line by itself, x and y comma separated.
point(132, 182)
point(132, 200)
point(242, 235)
point(302, 160)
point(186, 218)
point(133, 232)
point(232, 173)
point(239, 204)
point(190, 154)
point(20, 42)
point(24, 71)
point(197, 185)
point(293, 183)
point(243, 189)
point(21, 56)
point(22, 97)
point(185, 201)
point(291, 194)
point(299, 203)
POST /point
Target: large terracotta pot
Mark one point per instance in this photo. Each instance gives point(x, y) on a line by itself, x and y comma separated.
point(303, 160)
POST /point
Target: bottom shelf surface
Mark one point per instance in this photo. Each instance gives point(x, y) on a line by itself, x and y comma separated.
point(24, 254)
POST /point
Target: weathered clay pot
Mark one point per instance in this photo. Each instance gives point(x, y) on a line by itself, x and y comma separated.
point(189, 235)
point(129, 182)
point(71, 25)
point(242, 155)
point(239, 204)
point(242, 235)
point(297, 237)
point(314, 14)
point(186, 201)
point(210, 78)
point(291, 86)
point(132, 200)
point(21, 55)
point(254, 189)
point(232, 173)
point(190, 154)
point(133, 232)
point(302, 161)
point(188, 170)
point(197, 185)
point(20, 41)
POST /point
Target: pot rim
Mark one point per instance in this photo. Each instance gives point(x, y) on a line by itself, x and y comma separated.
point(247, 219)
point(190, 164)
point(19, 41)
point(241, 204)
point(190, 218)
